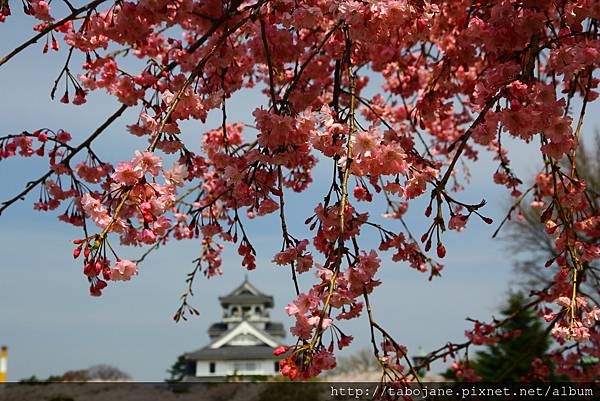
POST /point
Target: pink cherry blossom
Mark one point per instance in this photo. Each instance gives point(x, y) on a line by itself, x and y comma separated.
point(457, 222)
point(123, 271)
point(148, 162)
point(176, 175)
point(95, 210)
point(590, 317)
point(563, 301)
point(128, 173)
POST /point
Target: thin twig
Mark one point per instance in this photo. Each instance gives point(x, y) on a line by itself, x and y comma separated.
point(85, 144)
point(49, 28)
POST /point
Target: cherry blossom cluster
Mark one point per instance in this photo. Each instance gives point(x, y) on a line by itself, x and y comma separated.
point(464, 372)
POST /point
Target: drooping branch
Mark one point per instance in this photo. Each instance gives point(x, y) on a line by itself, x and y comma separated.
point(49, 27)
point(305, 64)
point(83, 145)
point(344, 189)
point(86, 144)
point(154, 142)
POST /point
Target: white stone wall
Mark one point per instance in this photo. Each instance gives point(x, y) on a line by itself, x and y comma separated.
point(225, 368)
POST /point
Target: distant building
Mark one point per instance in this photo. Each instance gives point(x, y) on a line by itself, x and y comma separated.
point(242, 344)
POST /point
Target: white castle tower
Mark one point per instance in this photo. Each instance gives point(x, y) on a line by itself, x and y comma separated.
point(242, 344)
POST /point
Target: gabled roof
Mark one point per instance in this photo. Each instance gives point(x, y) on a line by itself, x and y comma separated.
point(274, 329)
point(247, 294)
point(244, 328)
point(220, 348)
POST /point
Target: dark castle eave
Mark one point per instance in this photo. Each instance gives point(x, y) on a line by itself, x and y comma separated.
point(246, 299)
point(232, 352)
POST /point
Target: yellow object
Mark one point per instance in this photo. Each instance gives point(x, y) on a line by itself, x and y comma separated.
point(3, 360)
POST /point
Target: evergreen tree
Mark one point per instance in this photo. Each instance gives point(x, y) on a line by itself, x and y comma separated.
point(178, 370)
point(510, 359)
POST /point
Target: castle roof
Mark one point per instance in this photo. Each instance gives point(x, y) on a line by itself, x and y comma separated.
point(246, 294)
point(231, 353)
point(274, 329)
point(223, 347)
point(242, 337)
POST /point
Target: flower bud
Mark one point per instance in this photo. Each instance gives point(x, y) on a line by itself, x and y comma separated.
point(441, 251)
point(280, 350)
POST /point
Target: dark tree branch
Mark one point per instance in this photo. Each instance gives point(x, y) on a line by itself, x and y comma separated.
point(83, 145)
point(74, 14)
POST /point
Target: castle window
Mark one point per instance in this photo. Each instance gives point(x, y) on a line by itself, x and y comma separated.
point(244, 367)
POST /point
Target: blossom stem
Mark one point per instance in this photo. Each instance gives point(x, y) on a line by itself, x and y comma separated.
point(344, 187)
point(465, 138)
point(263, 33)
point(305, 64)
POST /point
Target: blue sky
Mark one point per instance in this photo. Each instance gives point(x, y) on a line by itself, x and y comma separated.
point(51, 324)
